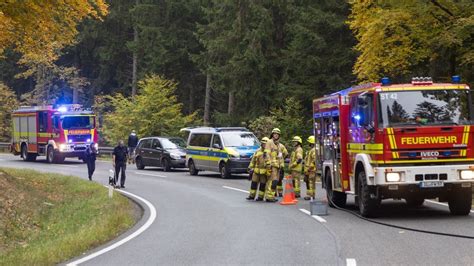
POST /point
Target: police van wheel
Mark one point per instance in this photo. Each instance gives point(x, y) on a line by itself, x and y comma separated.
point(367, 205)
point(139, 163)
point(335, 198)
point(460, 202)
point(192, 168)
point(224, 170)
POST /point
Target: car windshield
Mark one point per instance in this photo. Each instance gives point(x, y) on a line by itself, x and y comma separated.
point(236, 139)
point(430, 107)
point(70, 122)
point(174, 143)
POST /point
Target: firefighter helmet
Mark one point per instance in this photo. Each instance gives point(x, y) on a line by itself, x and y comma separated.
point(297, 139)
point(277, 131)
point(264, 140)
point(311, 139)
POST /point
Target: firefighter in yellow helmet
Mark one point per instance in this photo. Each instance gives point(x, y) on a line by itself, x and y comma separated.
point(277, 153)
point(296, 164)
point(310, 169)
point(259, 169)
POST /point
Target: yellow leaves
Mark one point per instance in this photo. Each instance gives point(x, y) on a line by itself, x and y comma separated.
point(39, 29)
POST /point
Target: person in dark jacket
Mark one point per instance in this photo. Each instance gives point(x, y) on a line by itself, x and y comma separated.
point(91, 153)
point(119, 158)
point(132, 144)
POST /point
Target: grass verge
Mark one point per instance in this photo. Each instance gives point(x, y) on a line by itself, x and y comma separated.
point(49, 218)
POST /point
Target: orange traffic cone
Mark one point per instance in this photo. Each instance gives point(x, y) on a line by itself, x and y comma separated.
point(289, 194)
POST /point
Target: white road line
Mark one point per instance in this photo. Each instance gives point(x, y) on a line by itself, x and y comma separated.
point(318, 218)
point(138, 173)
point(140, 230)
point(67, 166)
point(442, 204)
point(236, 189)
point(351, 262)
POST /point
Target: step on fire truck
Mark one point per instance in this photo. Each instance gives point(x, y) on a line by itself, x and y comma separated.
point(403, 141)
point(56, 133)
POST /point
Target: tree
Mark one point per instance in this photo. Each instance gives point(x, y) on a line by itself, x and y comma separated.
point(8, 103)
point(397, 38)
point(39, 29)
point(154, 111)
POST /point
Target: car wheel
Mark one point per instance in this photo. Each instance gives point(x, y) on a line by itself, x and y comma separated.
point(367, 205)
point(224, 170)
point(139, 163)
point(166, 164)
point(335, 198)
point(192, 168)
point(460, 201)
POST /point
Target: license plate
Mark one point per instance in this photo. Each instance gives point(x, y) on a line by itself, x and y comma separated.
point(427, 184)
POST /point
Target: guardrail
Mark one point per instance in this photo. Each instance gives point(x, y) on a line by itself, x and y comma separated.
point(5, 147)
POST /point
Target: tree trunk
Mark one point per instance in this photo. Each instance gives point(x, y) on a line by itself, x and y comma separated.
point(230, 110)
point(135, 56)
point(207, 100)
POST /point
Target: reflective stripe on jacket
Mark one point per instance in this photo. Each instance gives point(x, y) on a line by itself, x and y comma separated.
point(310, 161)
point(260, 163)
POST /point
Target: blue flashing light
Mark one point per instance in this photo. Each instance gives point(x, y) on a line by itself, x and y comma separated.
point(385, 81)
point(456, 79)
point(62, 109)
point(357, 117)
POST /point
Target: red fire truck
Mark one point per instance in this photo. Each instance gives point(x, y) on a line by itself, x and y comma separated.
point(56, 133)
point(403, 141)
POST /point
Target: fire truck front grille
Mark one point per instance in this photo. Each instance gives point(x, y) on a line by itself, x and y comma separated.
point(79, 138)
point(421, 177)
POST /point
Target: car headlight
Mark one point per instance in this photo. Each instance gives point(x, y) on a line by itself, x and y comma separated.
point(467, 174)
point(96, 146)
point(392, 177)
point(175, 156)
point(62, 147)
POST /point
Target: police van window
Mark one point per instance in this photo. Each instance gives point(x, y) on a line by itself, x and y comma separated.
point(216, 140)
point(43, 121)
point(156, 144)
point(200, 140)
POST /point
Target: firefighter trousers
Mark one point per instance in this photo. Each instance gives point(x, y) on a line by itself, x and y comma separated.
point(311, 185)
point(296, 175)
point(272, 183)
point(256, 180)
point(281, 175)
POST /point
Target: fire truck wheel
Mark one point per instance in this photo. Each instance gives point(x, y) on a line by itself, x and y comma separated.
point(367, 205)
point(335, 198)
point(414, 201)
point(460, 201)
point(50, 155)
point(139, 163)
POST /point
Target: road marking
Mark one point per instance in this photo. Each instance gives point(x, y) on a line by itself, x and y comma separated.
point(318, 218)
point(67, 166)
point(442, 204)
point(236, 189)
point(351, 262)
point(140, 230)
point(138, 173)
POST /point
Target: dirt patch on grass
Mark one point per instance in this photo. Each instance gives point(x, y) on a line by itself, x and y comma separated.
point(49, 218)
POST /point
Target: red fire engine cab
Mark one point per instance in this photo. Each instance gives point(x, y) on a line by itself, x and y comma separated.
point(56, 133)
point(412, 141)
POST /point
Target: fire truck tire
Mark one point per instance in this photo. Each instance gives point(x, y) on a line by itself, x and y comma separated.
point(460, 201)
point(367, 205)
point(335, 198)
point(29, 157)
point(414, 201)
point(139, 163)
point(50, 154)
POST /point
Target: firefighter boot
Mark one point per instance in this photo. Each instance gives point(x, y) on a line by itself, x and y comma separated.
point(297, 184)
point(253, 191)
point(261, 192)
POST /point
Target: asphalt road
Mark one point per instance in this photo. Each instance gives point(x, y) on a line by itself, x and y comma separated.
point(206, 220)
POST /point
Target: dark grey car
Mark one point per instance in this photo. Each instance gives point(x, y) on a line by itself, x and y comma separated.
point(164, 152)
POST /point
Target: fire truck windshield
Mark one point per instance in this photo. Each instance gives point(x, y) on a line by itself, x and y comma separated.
point(429, 107)
point(69, 122)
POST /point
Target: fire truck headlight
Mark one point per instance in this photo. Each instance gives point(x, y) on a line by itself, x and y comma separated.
point(62, 109)
point(392, 177)
point(62, 147)
point(96, 146)
point(467, 174)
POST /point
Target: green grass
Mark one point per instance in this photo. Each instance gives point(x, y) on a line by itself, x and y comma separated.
point(48, 218)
